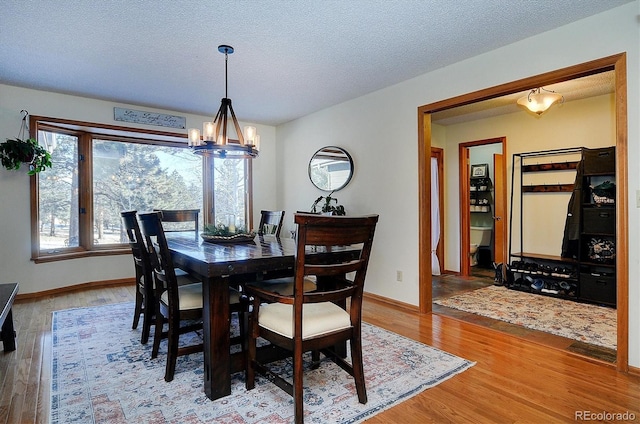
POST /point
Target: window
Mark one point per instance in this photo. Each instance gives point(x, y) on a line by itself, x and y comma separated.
point(98, 172)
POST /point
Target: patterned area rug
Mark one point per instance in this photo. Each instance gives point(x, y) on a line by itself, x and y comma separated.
point(578, 321)
point(102, 374)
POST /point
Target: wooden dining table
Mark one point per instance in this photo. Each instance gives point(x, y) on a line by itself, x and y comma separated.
point(219, 264)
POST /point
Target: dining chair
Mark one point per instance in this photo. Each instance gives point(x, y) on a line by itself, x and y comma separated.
point(179, 218)
point(146, 302)
point(270, 222)
point(145, 298)
point(313, 321)
point(179, 305)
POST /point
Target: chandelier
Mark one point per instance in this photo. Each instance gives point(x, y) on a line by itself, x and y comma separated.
point(215, 140)
point(539, 100)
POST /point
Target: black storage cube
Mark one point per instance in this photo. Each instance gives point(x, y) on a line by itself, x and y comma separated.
point(598, 250)
point(599, 220)
point(598, 288)
point(599, 161)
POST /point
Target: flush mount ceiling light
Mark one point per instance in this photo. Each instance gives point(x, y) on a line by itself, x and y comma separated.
point(539, 100)
point(215, 140)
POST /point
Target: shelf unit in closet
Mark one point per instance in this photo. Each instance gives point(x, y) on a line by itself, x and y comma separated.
point(589, 274)
point(535, 272)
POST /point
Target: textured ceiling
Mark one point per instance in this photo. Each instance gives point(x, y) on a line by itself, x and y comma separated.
point(291, 57)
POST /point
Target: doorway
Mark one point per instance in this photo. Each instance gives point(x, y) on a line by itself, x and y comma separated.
point(483, 199)
point(615, 63)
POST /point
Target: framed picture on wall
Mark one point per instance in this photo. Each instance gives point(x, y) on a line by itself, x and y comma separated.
point(480, 171)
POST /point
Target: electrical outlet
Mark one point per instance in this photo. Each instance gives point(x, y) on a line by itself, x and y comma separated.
point(398, 275)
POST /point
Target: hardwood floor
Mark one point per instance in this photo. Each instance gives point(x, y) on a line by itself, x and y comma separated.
point(514, 380)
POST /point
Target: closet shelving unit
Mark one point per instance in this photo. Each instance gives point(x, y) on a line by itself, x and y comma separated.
point(534, 272)
point(588, 276)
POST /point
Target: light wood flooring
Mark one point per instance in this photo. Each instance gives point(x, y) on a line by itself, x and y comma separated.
point(514, 379)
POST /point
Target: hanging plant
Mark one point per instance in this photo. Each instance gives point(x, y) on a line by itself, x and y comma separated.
point(17, 151)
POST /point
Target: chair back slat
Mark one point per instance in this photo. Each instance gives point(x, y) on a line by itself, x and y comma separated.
point(180, 219)
point(160, 256)
point(136, 243)
point(270, 222)
point(331, 233)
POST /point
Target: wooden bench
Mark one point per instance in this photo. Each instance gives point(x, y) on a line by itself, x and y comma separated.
point(7, 333)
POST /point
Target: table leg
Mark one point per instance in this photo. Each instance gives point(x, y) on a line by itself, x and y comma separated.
point(8, 334)
point(216, 323)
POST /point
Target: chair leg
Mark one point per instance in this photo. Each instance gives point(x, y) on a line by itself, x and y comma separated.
point(315, 359)
point(250, 353)
point(172, 350)
point(358, 369)
point(147, 319)
point(298, 383)
point(138, 309)
point(157, 334)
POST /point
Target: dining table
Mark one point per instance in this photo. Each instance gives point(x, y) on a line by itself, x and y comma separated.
point(219, 264)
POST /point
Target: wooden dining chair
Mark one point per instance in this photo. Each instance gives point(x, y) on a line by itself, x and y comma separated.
point(270, 222)
point(181, 220)
point(145, 297)
point(313, 321)
point(179, 305)
point(146, 302)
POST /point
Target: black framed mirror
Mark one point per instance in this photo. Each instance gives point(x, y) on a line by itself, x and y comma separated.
point(330, 168)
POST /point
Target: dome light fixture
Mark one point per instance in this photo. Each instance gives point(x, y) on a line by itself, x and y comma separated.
point(539, 100)
point(215, 140)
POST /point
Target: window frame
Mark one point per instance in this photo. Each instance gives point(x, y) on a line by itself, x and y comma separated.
point(86, 133)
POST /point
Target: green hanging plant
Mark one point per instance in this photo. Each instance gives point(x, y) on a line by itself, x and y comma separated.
point(16, 151)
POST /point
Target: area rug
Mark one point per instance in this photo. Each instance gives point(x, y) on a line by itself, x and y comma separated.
point(584, 322)
point(101, 373)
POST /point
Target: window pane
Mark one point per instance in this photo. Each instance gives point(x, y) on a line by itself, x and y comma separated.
point(142, 177)
point(230, 192)
point(58, 192)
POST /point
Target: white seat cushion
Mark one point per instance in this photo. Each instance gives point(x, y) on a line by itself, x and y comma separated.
point(191, 296)
point(282, 286)
point(182, 277)
point(317, 318)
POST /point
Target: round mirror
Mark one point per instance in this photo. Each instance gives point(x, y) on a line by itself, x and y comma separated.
point(330, 168)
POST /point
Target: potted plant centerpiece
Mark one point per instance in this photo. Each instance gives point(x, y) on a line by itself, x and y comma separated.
point(16, 151)
point(327, 207)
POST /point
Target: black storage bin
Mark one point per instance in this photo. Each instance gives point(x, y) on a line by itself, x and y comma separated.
point(599, 220)
point(598, 288)
point(598, 250)
point(599, 161)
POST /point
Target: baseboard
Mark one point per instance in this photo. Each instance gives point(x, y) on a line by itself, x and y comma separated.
point(391, 302)
point(77, 287)
point(634, 371)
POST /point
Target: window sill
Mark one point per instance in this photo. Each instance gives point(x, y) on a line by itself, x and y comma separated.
point(63, 256)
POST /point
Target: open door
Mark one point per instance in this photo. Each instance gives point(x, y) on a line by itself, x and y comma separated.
point(500, 209)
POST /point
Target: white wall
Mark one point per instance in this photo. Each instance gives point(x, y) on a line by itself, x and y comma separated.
point(380, 132)
point(15, 241)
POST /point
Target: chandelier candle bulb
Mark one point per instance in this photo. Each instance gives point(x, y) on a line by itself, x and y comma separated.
point(194, 137)
point(208, 131)
point(249, 135)
point(257, 142)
